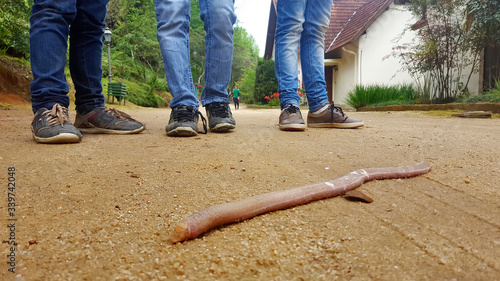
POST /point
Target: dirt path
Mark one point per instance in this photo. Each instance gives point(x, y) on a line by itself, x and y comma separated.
point(103, 209)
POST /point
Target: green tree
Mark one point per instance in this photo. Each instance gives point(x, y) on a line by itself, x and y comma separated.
point(266, 82)
point(245, 54)
point(135, 51)
point(134, 35)
point(247, 85)
point(440, 58)
point(483, 18)
point(14, 27)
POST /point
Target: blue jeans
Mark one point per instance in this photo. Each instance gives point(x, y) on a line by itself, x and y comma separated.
point(173, 18)
point(302, 22)
point(51, 23)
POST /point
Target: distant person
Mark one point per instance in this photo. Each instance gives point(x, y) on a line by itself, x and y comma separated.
point(304, 23)
point(236, 97)
point(52, 22)
point(173, 34)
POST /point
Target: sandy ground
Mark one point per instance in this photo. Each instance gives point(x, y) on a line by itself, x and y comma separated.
point(104, 209)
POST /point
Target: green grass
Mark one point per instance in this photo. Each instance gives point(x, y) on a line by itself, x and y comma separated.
point(487, 97)
point(492, 95)
point(21, 61)
point(377, 95)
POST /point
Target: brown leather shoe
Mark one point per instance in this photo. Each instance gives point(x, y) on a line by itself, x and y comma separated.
point(291, 119)
point(333, 117)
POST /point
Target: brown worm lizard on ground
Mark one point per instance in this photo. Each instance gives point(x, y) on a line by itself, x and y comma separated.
point(217, 215)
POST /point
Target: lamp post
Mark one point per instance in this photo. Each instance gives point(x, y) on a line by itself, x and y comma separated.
point(107, 41)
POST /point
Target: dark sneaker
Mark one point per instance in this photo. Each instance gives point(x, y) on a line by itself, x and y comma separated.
point(184, 122)
point(333, 117)
point(103, 120)
point(291, 119)
point(220, 118)
point(53, 126)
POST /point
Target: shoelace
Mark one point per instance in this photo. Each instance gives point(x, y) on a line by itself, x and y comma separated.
point(291, 109)
point(339, 109)
point(119, 114)
point(57, 115)
point(188, 115)
point(203, 121)
point(122, 115)
point(219, 110)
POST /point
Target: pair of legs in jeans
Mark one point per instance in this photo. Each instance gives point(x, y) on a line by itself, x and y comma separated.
point(173, 18)
point(52, 22)
point(304, 23)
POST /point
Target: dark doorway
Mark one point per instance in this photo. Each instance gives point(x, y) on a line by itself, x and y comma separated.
point(329, 82)
point(491, 66)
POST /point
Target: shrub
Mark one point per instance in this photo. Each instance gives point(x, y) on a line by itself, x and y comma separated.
point(139, 93)
point(143, 95)
point(363, 96)
point(266, 82)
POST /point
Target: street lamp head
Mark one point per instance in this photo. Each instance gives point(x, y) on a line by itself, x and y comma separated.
point(107, 36)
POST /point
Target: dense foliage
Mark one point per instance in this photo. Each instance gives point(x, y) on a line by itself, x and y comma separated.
point(14, 27)
point(484, 19)
point(245, 54)
point(135, 51)
point(247, 85)
point(266, 82)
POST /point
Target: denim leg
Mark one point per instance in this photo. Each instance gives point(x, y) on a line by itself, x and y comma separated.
point(51, 23)
point(173, 17)
point(218, 17)
point(312, 51)
point(50, 20)
point(85, 53)
point(287, 38)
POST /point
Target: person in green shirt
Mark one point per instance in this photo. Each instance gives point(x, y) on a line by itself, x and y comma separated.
point(236, 97)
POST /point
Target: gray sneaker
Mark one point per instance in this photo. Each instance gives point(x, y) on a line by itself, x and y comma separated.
point(333, 117)
point(291, 119)
point(184, 122)
point(53, 126)
point(103, 120)
point(220, 118)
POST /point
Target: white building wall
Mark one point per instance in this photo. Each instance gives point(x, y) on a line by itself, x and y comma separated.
point(345, 79)
point(377, 65)
point(373, 63)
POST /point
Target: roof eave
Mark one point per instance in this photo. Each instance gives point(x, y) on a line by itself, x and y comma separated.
point(336, 46)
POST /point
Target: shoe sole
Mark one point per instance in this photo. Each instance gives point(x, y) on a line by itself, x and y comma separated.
point(61, 138)
point(336, 125)
point(96, 130)
point(223, 127)
point(182, 132)
point(293, 127)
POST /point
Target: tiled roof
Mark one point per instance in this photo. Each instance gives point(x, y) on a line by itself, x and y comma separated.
point(342, 11)
point(350, 18)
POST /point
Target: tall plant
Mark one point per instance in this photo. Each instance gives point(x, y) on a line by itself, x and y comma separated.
point(443, 57)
